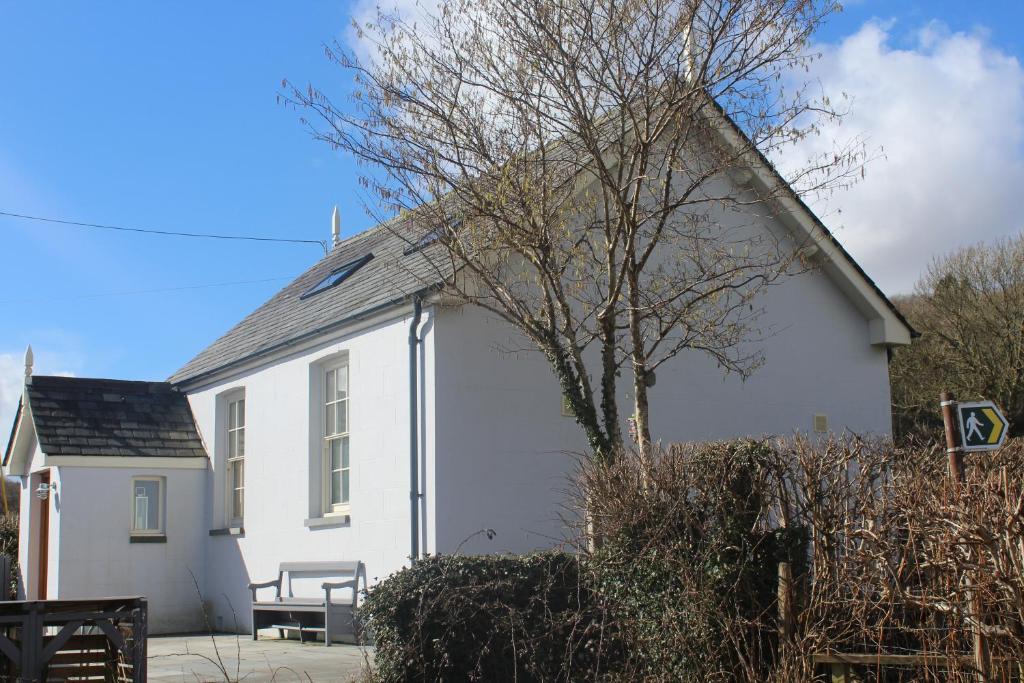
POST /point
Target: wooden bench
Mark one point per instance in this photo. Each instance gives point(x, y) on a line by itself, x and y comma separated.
point(310, 615)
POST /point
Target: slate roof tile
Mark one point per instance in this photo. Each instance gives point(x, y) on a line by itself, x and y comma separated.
point(104, 417)
point(388, 279)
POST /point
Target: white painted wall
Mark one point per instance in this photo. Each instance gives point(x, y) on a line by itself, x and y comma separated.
point(504, 449)
point(280, 453)
point(98, 559)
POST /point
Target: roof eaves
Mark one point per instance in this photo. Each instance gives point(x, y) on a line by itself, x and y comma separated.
point(191, 380)
point(816, 220)
point(14, 431)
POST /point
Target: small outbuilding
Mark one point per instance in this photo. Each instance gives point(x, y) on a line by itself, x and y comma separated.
point(113, 476)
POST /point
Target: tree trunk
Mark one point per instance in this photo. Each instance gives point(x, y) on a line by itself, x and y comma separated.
point(609, 401)
point(641, 408)
point(641, 411)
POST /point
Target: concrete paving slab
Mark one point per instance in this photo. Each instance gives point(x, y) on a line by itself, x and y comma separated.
point(191, 658)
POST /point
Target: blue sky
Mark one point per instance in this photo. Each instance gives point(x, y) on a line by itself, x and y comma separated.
point(164, 115)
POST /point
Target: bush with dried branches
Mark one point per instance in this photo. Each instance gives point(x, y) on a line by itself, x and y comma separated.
point(881, 553)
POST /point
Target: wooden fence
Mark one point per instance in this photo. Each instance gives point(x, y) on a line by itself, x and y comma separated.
point(102, 640)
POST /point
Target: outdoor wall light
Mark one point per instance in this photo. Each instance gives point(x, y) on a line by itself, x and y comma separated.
point(43, 492)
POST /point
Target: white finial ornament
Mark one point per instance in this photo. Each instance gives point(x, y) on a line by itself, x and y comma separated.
point(335, 227)
point(29, 361)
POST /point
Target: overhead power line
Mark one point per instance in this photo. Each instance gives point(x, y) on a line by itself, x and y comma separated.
point(167, 233)
point(146, 291)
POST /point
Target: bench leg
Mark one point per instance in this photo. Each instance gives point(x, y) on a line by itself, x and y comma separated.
point(280, 633)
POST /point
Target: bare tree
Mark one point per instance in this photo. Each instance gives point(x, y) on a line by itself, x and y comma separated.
point(585, 166)
point(969, 308)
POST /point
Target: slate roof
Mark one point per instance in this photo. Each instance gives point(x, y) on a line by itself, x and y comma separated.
point(388, 279)
point(95, 417)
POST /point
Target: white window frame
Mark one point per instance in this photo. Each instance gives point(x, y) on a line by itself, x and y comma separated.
point(326, 472)
point(230, 400)
point(161, 485)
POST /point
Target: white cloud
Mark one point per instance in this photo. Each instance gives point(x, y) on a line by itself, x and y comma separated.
point(948, 115)
point(364, 12)
point(12, 380)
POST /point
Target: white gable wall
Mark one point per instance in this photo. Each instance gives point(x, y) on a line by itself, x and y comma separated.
point(279, 453)
point(504, 449)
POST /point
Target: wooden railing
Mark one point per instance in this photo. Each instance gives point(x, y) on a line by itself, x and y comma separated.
point(73, 640)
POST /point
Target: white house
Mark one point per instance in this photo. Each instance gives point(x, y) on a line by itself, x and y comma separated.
point(355, 417)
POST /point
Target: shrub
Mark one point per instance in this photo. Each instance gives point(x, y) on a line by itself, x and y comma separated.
point(887, 555)
point(497, 618)
point(9, 547)
point(687, 567)
point(9, 536)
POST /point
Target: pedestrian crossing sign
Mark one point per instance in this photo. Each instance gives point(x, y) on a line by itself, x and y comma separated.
point(982, 426)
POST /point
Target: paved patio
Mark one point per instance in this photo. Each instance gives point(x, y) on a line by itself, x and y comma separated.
point(188, 658)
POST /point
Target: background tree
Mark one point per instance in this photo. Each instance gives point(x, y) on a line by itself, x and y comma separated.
point(969, 308)
point(583, 164)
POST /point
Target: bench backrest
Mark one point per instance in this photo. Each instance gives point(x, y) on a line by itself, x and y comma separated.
point(322, 568)
point(348, 572)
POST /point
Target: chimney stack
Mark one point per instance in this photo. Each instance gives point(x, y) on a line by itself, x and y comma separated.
point(335, 227)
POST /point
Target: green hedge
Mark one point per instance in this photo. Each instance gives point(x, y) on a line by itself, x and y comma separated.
point(498, 618)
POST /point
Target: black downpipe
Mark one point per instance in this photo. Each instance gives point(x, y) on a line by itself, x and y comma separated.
point(414, 460)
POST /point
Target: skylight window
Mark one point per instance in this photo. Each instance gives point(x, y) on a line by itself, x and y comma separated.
point(423, 242)
point(337, 276)
point(431, 236)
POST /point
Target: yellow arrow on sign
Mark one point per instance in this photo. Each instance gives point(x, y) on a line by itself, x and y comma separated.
point(997, 424)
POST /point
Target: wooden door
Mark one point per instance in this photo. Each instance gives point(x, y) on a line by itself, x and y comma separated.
point(44, 536)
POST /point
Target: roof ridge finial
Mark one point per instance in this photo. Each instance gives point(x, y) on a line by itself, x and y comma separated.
point(29, 362)
point(335, 227)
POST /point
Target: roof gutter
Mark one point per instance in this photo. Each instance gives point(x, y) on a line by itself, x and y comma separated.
point(414, 460)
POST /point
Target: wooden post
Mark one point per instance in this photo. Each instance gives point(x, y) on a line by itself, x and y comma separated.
point(785, 597)
point(947, 401)
point(956, 457)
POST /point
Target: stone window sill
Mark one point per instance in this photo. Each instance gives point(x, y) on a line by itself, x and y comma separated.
point(148, 539)
point(327, 522)
point(228, 531)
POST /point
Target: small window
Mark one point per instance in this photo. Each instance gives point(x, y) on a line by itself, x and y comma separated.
point(821, 423)
point(337, 276)
point(337, 466)
point(147, 505)
point(236, 460)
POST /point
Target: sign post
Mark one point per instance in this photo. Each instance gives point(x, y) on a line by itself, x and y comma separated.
point(956, 460)
point(972, 426)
